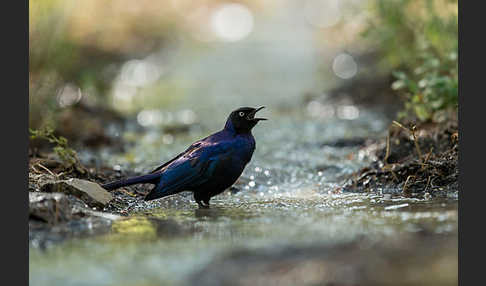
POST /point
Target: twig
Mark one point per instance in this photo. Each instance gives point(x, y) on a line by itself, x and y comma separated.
point(394, 176)
point(432, 182)
point(411, 132)
point(50, 172)
point(400, 125)
point(387, 154)
point(35, 170)
point(428, 155)
point(426, 186)
point(415, 141)
point(389, 167)
point(424, 164)
point(406, 183)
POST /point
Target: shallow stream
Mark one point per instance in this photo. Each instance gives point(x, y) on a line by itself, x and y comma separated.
point(289, 223)
point(288, 196)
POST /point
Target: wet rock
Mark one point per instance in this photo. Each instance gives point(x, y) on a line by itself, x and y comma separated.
point(55, 217)
point(51, 208)
point(91, 193)
point(43, 236)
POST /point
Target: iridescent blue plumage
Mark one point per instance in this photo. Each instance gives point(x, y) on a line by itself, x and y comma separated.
point(208, 166)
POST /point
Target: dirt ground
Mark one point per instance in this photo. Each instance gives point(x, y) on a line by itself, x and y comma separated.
point(419, 160)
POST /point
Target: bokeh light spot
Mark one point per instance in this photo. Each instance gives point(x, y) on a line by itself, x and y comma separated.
point(68, 95)
point(348, 112)
point(149, 117)
point(167, 139)
point(322, 14)
point(123, 92)
point(187, 116)
point(344, 66)
point(232, 22)
point(317, 109)
point(139, 73)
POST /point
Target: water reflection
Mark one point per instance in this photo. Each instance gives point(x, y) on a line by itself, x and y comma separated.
point(166, 245)
point(146, 228)
point(212, 213)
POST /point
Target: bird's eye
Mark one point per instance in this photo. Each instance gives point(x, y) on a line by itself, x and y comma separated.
point(241, 114)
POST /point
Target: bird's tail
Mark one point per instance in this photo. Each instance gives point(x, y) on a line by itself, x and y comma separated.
point(149, 178)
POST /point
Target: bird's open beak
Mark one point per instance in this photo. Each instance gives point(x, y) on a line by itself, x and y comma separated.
point(251, 116)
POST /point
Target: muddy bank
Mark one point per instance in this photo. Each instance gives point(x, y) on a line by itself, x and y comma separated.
point(414, 161)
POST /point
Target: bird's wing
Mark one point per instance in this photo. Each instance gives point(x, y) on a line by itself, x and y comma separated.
point(190, 169)
point(188, 150)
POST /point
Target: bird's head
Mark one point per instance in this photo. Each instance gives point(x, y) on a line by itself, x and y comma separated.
point(243, 119)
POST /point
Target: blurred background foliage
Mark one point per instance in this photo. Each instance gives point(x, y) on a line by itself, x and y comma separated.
point(419, 44)
point(77, 48)
point(79, 51)
point(80, 43)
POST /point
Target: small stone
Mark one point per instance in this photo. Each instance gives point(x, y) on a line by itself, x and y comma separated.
point(89, 192)
point(427, 196)
point(51, 208)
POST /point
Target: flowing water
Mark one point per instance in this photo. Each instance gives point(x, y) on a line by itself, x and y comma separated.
point(289, 196)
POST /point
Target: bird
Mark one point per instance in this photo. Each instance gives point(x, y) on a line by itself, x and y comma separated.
point(208, 166)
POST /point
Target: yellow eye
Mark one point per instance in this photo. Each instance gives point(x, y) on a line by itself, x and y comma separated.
point(241, 114)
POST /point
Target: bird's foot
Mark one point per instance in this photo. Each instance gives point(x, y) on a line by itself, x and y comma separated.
point(203, 205)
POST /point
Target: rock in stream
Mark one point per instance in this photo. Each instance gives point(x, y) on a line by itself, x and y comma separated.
point(91, 193)
point(51, 208)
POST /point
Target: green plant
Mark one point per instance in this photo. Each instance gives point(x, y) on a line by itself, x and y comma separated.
point(66, 154)
point(419, 43)
point(431, 87)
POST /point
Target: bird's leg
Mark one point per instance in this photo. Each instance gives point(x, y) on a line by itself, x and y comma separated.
point(202, 205)
point(199, 201)
point(206, 201)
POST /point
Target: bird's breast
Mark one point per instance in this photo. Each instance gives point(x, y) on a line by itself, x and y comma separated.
point(244, 149)
point(233, 163)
